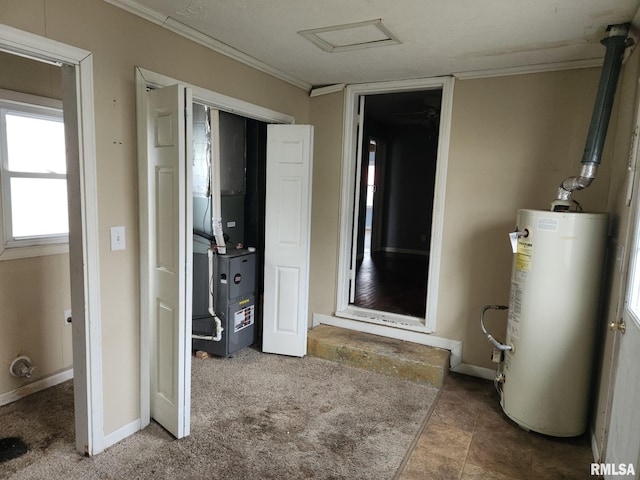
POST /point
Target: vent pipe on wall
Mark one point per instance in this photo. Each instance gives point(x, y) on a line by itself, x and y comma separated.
point(615, 43)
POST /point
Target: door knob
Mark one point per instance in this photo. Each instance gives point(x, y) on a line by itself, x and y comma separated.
point(621, 326)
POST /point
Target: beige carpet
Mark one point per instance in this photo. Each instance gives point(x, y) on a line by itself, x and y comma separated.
point(255, 416)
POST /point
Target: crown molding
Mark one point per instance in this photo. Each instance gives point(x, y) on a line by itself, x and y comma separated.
point(528, 69)
point(200, 38)
point(316, 92)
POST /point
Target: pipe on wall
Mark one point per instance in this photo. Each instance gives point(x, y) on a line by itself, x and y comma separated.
point(615, 44)
point(21, 367)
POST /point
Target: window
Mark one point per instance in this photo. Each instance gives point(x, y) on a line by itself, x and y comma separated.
point(633, 293)
point(34, 176)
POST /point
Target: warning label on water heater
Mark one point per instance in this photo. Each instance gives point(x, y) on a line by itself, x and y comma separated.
point(523, 258)
point(548, 224)
point(515, 309)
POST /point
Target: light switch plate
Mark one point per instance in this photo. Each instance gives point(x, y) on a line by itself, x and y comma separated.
point(117, 238)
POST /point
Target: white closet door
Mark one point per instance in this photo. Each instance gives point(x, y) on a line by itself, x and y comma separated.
point(168, 229)
point(288, 225)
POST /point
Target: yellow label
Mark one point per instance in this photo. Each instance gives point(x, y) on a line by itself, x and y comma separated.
point(523, 259)
point(242, 302)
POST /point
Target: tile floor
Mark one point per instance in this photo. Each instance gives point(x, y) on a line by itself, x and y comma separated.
point(469, 437)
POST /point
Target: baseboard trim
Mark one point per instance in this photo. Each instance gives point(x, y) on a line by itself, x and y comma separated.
point(36, 386)
point(121, 433)
point(408, 251)
point(475, 371)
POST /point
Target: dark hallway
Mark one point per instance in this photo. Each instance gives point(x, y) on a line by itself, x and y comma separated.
point(393, 282)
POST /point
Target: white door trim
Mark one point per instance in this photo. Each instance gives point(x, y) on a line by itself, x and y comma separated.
point(145, 286)
point(84, 256)
point(204, 96)
point(357, 190)
point(144, 79)
point(352, 94)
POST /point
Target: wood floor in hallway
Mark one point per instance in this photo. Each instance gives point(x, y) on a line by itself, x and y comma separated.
point(395, 283)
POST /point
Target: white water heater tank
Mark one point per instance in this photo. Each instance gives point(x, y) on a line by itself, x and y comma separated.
point(553, 310)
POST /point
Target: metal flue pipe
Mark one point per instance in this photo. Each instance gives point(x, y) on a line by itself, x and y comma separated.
point(615, 43)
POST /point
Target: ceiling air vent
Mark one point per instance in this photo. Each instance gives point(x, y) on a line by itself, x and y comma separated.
point(351, 36)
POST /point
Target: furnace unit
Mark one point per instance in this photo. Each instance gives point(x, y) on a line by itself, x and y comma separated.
point(233, 287)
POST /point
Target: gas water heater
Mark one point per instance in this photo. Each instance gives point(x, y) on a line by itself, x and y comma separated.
point(545, 365)
point(553, 311)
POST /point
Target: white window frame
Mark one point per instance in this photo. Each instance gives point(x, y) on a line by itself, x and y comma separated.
point(632, 295)
point(11, 248)
point(632, 298)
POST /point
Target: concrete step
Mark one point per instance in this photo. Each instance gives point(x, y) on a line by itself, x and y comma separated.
point(412, 361)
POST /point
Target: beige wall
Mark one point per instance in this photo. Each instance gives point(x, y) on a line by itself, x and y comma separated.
point(28, 76)
point(120, 41)
point(326, 117)
point(34, 292)
point(513, 140)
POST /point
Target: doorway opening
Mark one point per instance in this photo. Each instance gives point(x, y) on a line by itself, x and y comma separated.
point(167, 221)
point(397, 183)
point(392, 204)
point(35, 338)
point(232, 148)
point(76, 92)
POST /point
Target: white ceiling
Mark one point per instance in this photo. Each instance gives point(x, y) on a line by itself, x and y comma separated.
point(439, 37)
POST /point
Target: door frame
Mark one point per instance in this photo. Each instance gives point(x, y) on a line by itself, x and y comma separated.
point(148, 79)
point(378, 197)
point(83, 222)
point(625, 257)
point(349, 147)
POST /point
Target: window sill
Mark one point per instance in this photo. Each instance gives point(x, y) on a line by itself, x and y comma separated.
point(34, 251)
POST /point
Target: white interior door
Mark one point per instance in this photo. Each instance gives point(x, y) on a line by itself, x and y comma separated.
point(288, 225)
point(169, 255)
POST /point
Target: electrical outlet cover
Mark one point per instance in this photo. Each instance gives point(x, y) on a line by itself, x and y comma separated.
point(117, 238)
